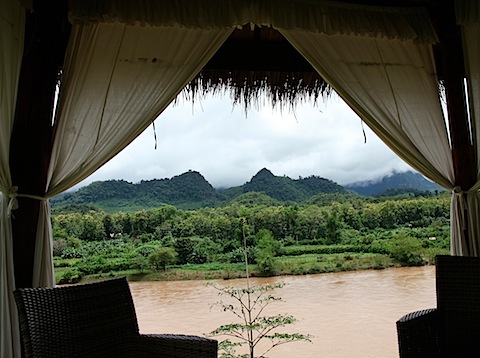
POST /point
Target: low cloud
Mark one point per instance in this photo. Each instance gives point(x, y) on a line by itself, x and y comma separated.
point(228, 147)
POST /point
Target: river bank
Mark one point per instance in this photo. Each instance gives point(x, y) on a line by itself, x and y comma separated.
point(285, 266)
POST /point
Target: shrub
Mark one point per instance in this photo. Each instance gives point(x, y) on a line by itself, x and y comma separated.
point(70, 276)
point(162, 257)
point(406, 250)
point(59, 246)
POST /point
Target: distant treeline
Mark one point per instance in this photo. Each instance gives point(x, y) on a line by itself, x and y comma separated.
point(191, 191)
point(410, 231)
point(308, 224)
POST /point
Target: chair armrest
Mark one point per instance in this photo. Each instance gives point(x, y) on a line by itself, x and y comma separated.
point(419, 334)
point(176, 346)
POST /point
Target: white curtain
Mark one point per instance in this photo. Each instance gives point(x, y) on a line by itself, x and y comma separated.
point(118, 78)
point(380, 61)
point(468, 16)
point(11, 50)
point(392, 86)
point(389, 80)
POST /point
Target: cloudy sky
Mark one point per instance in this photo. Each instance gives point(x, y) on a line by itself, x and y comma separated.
point(228, 147)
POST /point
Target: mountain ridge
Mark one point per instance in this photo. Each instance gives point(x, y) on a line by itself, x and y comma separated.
point(190, 190)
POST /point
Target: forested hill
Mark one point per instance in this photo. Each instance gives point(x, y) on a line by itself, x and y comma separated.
point(282, 188)
point(191, 190)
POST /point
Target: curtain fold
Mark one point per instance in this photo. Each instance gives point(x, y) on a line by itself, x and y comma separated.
point(314, 16)
point(12, 20)
point(468, 17)
point(393, 87)
point(118, 78)
point(200, 14)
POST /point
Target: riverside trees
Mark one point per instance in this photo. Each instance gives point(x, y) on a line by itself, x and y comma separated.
point(213, 235)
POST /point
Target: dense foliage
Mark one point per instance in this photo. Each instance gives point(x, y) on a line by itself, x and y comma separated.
point(191, 191)
point(409, 231)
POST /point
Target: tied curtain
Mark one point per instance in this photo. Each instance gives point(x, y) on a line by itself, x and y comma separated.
point(468, 17)
point(117, 79)
point(119, 75)
point(380, 61)
point(12, 22)
point(389, 80)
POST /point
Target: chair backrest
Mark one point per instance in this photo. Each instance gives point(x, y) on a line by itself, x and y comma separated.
point(87, 320)
point(458, 283)
point(458, 300)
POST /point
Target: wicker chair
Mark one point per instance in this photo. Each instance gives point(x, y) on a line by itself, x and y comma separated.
point(95, 320)
point(452, 329)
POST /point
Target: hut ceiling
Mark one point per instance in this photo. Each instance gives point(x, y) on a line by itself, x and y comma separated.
point(260, 61)
point(255, 62)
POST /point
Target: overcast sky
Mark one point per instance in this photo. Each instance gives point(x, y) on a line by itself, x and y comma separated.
point(228, 147)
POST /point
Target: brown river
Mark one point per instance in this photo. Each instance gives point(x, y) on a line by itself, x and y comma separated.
point(349, 314)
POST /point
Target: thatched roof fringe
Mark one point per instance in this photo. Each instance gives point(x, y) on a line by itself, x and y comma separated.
point(247, 88)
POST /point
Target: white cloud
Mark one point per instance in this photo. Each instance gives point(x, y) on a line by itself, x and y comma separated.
point(228, 147)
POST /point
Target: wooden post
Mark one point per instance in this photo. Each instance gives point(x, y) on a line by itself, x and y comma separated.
point(450, 58)
point(46, 35)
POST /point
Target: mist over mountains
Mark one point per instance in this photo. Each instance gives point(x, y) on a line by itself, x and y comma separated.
point(395, 182)
point(191, 190)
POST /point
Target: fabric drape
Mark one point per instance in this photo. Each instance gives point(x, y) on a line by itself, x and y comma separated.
point(12, 22)
point(392, 86)
point(306, 15)
point(467, 200)
point(118, 78)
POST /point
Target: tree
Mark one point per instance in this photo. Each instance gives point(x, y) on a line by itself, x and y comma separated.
point(333, 228)
point(162, 257)
point(267, 249)
point(184, 246)
point(249, 306)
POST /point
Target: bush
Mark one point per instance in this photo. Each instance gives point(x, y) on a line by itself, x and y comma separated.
point(406, 249)
point(162, 257)
point(238, 255)
point(92, 265)
point(267, 249)
point(59, 246)
point(71, 253)
point(70, 276)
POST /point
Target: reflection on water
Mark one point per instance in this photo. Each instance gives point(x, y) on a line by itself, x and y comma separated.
point(350, 314)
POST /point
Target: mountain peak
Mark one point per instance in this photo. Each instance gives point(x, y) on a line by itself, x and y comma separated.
point(263, 174)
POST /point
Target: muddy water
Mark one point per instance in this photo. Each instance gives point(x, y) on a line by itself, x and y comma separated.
point(350, 314)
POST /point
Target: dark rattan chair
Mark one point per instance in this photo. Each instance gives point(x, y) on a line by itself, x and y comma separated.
point(95, 320)
point(452, 329)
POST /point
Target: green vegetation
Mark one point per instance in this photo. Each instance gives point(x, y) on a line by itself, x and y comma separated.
point(329, 235)
point(190, 191)
point(249, 308)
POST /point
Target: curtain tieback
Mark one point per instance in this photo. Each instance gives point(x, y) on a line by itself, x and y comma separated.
point(13, 202)
point(458, 193)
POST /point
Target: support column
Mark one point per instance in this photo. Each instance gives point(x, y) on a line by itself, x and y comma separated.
point(450, 58)
point(46, 36)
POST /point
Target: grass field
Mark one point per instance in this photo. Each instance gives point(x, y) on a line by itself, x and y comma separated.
point(285, 265)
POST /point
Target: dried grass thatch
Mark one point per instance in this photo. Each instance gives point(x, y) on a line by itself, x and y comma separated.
point(252, 88)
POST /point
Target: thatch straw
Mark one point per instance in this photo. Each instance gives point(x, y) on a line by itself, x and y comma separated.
point(249, 88)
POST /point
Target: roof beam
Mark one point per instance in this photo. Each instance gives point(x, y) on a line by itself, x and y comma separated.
point(238, 55)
